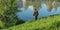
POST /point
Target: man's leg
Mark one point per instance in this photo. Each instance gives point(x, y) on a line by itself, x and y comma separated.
point(35, 17)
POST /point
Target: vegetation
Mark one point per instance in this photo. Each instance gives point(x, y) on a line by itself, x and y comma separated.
point(37, 4)
point(1, 24)
point(8, 10)
point(48, 23)
point(10, 21)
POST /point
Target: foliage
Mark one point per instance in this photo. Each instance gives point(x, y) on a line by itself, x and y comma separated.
point(19, 22)
point(37, 4)
point(32, 3)
point(55, 4)
point(1, 24)
point(49, 23)
point(8, 12)
point(58, 0)
point(49, 5)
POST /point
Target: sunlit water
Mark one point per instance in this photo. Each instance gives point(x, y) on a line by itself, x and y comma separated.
point(43, 12)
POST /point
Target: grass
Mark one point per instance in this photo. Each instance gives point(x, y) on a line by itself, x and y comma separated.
point(49, 23)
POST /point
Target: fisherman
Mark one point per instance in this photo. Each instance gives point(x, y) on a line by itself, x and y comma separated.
point(35, 14)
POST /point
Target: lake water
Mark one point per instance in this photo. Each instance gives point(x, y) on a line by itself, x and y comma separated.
point(43, 12)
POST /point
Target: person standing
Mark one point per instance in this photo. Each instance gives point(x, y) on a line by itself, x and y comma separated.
point(35, 14)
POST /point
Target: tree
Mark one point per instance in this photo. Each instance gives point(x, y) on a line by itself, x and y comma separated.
point(8, 10)
point(55, 4)
point(35, 3)
point(49, 5)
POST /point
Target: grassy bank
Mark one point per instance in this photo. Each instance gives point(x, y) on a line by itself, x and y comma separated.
point(48, 23)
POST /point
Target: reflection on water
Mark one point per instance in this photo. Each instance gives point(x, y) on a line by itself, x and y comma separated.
point(28, 14)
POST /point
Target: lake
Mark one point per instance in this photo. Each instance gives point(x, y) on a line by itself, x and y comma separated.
point(43, 12)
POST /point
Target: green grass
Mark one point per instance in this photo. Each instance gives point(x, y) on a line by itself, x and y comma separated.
point(48, 23)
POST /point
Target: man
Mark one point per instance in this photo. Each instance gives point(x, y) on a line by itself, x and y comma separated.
point(35, 14)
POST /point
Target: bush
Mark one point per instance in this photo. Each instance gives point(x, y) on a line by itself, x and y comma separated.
point(14, 23)
point(1, 24)
point(19, 22)
point(10, 23)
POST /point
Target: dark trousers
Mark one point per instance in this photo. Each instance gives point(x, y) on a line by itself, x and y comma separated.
point(35, 17)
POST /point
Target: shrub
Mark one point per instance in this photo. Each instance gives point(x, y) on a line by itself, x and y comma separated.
point(10, 23)
point(1, 24)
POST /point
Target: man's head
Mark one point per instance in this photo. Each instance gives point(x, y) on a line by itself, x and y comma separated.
point(35, 9)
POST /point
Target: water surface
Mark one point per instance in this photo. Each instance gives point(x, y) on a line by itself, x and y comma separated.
point(43, 12)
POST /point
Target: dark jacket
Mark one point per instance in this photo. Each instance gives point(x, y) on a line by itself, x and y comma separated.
point(35, 13)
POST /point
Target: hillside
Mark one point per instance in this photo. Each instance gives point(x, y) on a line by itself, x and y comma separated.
point(48, 23)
